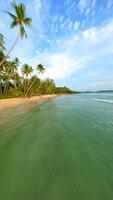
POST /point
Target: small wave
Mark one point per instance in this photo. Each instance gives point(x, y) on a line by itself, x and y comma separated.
point(104, 100)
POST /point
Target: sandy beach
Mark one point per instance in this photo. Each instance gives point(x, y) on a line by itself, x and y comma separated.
point(13, 102)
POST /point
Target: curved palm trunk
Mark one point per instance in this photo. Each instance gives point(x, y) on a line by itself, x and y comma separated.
point(30, 86)
point(10, 50)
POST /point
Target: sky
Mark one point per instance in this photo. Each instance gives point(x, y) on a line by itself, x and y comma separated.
point(72, 38)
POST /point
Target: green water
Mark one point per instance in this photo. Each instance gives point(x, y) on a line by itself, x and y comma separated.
point(59, 150)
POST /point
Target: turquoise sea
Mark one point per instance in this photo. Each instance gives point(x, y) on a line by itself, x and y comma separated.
point(61, 149)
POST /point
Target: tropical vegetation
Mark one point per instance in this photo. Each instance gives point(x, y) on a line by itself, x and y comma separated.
point(19, 20)
point(17, 79)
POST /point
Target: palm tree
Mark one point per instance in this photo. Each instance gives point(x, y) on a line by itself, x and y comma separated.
point(26, 71)
point(18, 19)
point(2, 47)
point(16, 76)
point(10, 71)
point(17, 80)
point(41, 69)
point(2, 56)
point(16, 61)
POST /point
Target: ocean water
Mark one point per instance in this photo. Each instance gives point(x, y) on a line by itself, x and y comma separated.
point(61, 149)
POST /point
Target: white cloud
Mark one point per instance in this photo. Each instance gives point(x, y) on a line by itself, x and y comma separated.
point(76, 25)
point(93, 4)
point(86, 6)
point(61, 66)
point(88, 11)
point(70, 25)
point(53, 41)
point(83, 4)
point(95, 34)
point(71, 53)
point(80, 51)
point(91, 34)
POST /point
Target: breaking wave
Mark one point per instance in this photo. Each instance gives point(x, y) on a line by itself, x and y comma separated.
point(104, 100)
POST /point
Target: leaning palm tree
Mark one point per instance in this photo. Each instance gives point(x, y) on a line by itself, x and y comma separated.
point(26, 71)
point(41, 69)
point(19, 19)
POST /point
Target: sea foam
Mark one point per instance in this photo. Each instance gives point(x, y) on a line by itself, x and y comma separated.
point(104, 100)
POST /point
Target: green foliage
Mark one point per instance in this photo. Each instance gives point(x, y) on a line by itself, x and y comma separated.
point(47, 87)
point(34, 90)
point(64, 90)
point(13, 85)
point(2, 43)
point(1, 56)
point(13, 92)
point(26, 70)
point(19, 18)
point(41, 69)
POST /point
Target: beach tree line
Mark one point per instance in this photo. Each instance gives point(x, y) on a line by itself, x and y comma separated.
point(17, 79)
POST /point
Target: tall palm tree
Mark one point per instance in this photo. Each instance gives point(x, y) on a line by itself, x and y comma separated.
point(26, 71)
point(41, 69)
point(19, 19)
point(10, 71)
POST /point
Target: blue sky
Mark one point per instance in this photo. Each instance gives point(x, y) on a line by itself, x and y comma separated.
point(72, 38)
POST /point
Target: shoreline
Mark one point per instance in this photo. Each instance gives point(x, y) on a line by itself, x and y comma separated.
point(13, 102)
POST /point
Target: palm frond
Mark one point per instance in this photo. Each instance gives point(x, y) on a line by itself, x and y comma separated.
point(16, 8)
point(2, 48)
point(13, 24)
point(41, 68)
point(23, 10)
point(19, 18)
point(11, 15)
point(27, 21)
point(13, 4)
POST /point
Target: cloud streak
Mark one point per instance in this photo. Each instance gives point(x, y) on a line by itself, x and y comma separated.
point(78, 52)
point(67, 39)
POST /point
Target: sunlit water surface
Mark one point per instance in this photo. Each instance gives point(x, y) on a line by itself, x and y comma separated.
point(61, 149)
